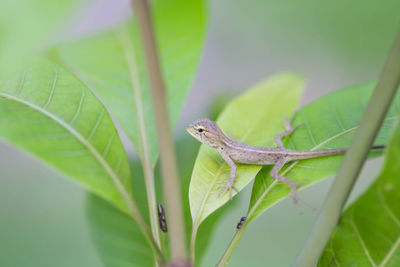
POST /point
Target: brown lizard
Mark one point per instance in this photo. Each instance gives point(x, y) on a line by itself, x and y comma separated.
point(208, 132)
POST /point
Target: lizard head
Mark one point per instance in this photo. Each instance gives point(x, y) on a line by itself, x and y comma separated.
point(207, 132)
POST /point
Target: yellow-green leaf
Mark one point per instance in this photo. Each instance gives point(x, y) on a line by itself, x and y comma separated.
point(254, 118)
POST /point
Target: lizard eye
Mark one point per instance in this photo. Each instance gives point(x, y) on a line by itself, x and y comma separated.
point(200, 130)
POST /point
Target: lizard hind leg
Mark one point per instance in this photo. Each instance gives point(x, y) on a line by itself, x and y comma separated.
point(293, 186)
point(288, 130)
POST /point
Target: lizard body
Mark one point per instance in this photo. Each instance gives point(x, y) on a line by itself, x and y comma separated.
point(208, 132)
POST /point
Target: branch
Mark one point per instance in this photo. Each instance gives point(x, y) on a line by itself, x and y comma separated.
point(167, 155)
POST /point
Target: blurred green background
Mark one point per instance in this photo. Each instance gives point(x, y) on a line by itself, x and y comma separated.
point(334, 44)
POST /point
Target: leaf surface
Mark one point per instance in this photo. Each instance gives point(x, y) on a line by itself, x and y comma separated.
point(113, 65)
point(49, 113)
point(254, 118)
point(117, 238)
point(329, 122)
point(368, 233)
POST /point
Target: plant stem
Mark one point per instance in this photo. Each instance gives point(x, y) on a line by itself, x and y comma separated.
point(354, 159)
point(167, 155)
point(193, 236)
point(232, 245)
point(145, 147)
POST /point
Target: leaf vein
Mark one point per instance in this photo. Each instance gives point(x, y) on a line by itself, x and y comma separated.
point(113, 176)
point(52, 89)
point(107, 149)
point(21, 84)
point(78, 110)
point(363, 245)
point(99, 119)
point(310, 132)
point(386, 206)
point(390, 253)
point(338, 119)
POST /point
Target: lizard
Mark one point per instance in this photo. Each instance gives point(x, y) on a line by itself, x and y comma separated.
point(233, 151)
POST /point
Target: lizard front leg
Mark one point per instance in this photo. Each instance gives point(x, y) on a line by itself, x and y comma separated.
point(231, 183)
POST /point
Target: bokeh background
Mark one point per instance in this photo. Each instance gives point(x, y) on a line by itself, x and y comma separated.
point(335, 44)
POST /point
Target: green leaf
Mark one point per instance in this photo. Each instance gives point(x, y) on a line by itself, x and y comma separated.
point(368, 233)
point(186, 150)
point(329, 122)
point(117, 238)
point(113, 65)
point(50, 114)
point(254, 118)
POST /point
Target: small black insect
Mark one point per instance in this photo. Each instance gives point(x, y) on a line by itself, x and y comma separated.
point(161, 218)
point(240, 222)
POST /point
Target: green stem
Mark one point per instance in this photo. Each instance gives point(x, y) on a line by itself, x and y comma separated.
point(353, 161)
point(193, 243)
point(148, 170)
point(232, 245)
point(167, 155)
point(238, 235)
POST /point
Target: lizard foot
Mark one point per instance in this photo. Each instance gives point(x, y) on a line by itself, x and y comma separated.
point(228, 186)
point(296, 199)
point(289, 127)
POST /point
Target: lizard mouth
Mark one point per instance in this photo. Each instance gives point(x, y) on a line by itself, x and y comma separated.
point(190, 130)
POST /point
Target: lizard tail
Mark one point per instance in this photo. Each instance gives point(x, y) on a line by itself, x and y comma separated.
point(323, 153)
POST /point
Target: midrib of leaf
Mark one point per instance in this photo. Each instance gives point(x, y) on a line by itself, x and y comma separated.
point(390, 253)
point(333, 253)
point(396, 244)
point(129, 53)
point(198, 218)
point(87, 144)
point(294, 163)
point(362, 243)
point(203, 203)
point(386, 206)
